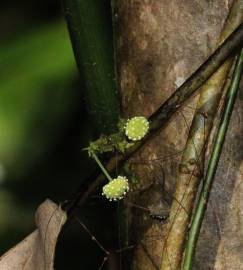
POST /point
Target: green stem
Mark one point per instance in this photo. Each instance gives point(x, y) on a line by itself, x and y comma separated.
point(95, 157)
point(90, 27)
point(212, 167)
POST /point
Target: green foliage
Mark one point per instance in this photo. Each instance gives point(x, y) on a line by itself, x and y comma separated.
point(133, 129)
point(117, 188)
point(114, 142)
point(36, 76)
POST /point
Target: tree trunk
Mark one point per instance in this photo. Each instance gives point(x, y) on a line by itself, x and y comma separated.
point(159, 43)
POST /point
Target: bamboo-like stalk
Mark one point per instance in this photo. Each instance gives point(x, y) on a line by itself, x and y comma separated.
point(191, 167)
point(90, 28)
point(212, 166)
point(166, 110)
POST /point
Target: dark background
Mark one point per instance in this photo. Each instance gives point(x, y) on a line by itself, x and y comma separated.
point(43, 127)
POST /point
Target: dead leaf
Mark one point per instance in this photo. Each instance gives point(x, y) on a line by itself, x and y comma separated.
point(36, 251)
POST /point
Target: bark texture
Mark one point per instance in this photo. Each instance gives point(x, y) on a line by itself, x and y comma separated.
point(159, 43)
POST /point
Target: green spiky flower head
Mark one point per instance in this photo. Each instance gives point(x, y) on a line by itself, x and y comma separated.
point(136, 128)
point(116, 189)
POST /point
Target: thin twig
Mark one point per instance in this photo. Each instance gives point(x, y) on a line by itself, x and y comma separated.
point(93, 238)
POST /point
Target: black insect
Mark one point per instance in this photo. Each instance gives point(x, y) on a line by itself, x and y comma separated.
point(159, 218)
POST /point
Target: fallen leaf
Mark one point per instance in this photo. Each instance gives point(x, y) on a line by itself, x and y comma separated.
point(37, 250)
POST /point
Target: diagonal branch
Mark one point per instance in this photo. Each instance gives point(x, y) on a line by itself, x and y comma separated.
point(167, 109)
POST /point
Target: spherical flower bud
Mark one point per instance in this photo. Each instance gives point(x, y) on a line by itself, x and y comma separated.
point(136, 128)
point(116, 189)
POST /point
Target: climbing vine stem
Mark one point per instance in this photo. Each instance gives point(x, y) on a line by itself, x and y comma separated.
point(192, 161)
point(212, 167)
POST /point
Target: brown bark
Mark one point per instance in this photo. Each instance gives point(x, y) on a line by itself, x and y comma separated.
point(159, 43)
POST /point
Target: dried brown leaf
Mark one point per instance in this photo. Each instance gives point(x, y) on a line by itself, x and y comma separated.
point(37, 250)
